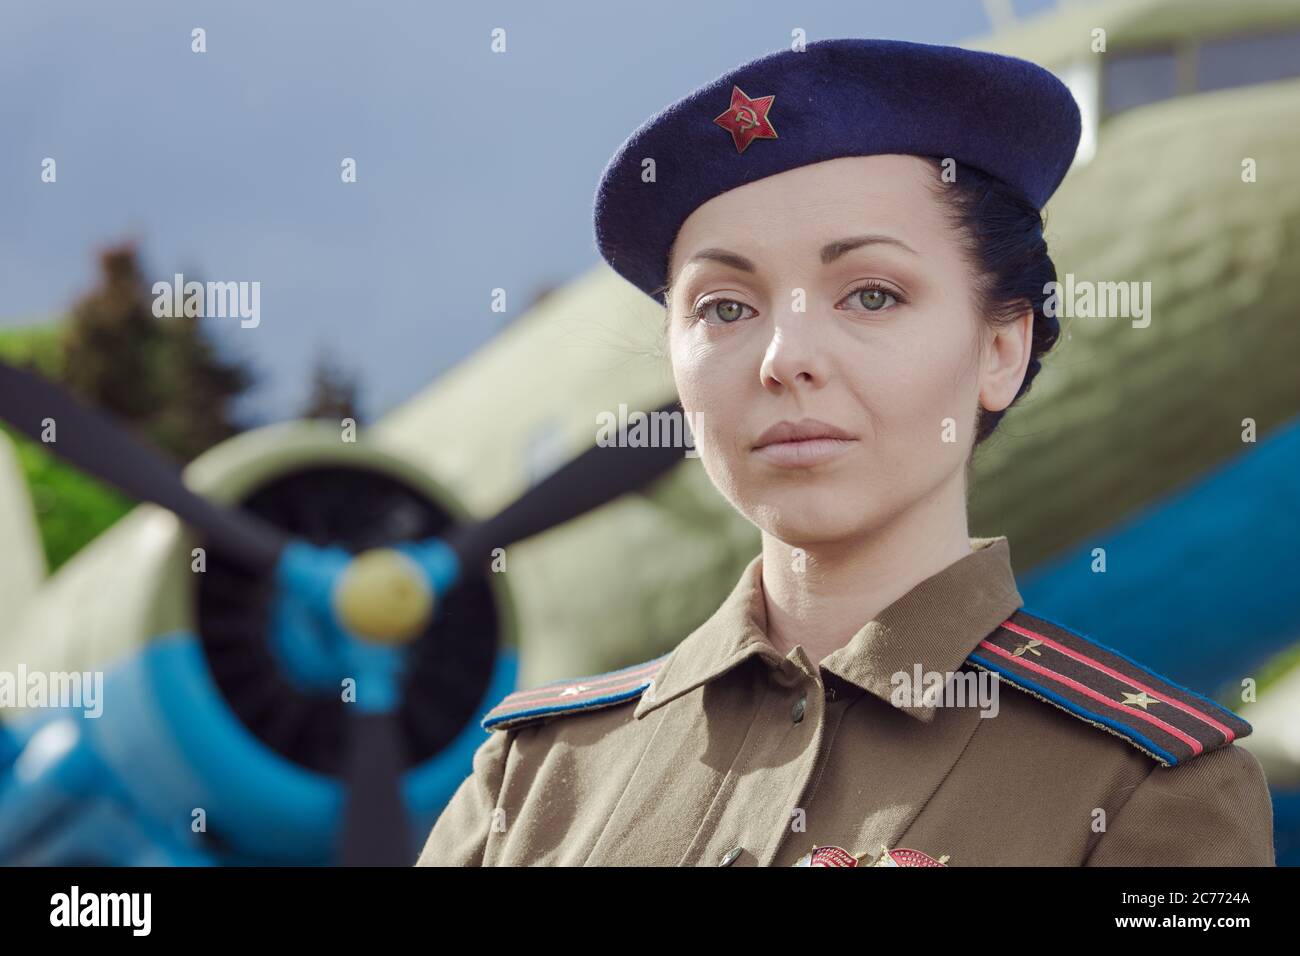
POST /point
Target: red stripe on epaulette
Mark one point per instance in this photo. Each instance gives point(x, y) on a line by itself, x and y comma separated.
point(568, 696)
point(1107, 689)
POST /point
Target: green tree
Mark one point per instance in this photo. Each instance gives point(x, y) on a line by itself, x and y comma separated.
point(333, 393)
point(112, 339)
point(163, 376)
point(199, 387)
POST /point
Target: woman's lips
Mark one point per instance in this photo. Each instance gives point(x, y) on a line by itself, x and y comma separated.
point(805, 453)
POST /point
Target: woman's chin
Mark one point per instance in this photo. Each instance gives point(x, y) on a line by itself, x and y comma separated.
point(809, 517)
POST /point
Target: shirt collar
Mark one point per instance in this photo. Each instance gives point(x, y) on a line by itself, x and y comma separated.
point(934, 625)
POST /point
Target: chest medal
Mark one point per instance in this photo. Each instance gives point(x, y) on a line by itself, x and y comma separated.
point(838, 856)
point(827, 856)
point(905, 857)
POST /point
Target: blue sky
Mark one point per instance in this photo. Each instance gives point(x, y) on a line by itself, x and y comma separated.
point(475, 170)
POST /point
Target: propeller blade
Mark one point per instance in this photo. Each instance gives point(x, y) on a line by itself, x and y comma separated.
point(376, 831)
point(105, 450)
point(596, 477)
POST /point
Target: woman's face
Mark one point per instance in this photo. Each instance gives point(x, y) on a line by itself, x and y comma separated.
point(835, 293)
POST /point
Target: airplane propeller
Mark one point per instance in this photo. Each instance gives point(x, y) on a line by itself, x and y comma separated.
point(383, 597)
point(101, 447)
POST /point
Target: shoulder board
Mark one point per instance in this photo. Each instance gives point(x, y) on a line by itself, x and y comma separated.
point(1101, 686)
point(572, 696)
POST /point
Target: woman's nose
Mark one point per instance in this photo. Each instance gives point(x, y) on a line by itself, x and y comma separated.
point(796, 353)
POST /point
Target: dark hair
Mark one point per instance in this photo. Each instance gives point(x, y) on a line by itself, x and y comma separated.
point(1005, 248)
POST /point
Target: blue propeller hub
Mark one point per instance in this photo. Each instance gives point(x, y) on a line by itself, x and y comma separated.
point(340, 621)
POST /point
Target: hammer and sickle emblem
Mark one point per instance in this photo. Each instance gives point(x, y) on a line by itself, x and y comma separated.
point(746, 117)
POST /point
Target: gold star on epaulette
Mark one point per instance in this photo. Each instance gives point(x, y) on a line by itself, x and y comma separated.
point(1140, 700)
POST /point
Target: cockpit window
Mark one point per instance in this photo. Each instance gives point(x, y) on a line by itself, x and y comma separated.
point(1138, 77)
point(1135, 79)
point(1240, 61)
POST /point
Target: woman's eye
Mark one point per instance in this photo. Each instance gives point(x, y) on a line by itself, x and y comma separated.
point(871, 298)
point(721, 311)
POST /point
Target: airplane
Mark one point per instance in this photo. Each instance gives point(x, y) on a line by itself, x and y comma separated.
point(222, 713)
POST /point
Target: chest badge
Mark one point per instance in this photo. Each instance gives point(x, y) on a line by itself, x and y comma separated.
point(827, 856)
point(905, 857)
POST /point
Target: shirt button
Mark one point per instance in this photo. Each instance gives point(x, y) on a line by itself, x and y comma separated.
point(730, 857)
point(796, 712)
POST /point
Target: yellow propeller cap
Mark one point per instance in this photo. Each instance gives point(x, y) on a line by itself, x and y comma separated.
point(383, 596)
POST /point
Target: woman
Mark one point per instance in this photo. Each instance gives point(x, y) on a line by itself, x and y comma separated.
point(848, 244)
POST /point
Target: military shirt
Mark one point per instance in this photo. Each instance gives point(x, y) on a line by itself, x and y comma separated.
point(726, 752)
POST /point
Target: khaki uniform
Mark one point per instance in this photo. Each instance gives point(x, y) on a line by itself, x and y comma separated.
point(726, 752)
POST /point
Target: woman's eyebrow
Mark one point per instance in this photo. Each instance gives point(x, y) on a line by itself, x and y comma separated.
point(735, 260)
point(830, 252)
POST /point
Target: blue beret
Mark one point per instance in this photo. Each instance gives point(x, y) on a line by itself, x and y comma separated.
point(1007, 117)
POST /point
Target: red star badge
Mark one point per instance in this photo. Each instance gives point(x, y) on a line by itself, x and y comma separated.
point(746, 120)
